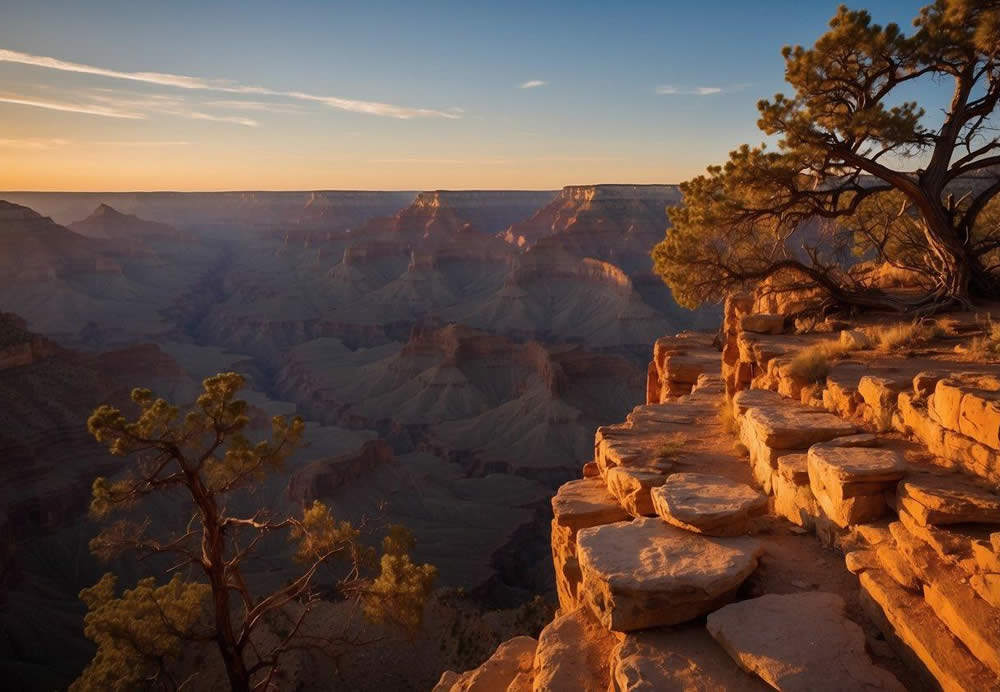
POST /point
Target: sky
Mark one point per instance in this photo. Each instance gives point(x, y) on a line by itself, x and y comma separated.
point(143, 95)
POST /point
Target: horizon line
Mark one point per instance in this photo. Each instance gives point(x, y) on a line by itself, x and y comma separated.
point(324, 189)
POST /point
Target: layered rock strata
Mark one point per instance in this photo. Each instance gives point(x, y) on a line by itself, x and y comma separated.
point(894, 468)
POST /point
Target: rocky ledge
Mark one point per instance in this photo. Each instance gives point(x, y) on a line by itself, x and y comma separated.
point(749, 529)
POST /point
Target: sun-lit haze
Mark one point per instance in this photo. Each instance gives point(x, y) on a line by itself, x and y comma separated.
point(310, 95)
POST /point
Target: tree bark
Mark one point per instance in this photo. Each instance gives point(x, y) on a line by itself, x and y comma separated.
point(232, 657)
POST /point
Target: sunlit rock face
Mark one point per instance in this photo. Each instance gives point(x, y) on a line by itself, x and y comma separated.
point(487, 211)
point(610, 222)
point(442, 215)
point(617, 225)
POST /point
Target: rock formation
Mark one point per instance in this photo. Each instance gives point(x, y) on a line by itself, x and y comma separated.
point(599, 220)
point(35, 248)
point(889, 459)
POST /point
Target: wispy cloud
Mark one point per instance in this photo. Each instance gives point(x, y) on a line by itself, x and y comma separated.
point(532, 84)
point(235, 119)
point(164, 104)
point(262, 106)
point(33, 143)
point(229, 87)
point(669, 89)
point(89, 109)
point(150, 143)
point(42, 143)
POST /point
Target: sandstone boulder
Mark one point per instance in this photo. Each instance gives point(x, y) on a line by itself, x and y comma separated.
point(849, 482)
point(763, 323)
point(969, 403)
point(855, 340)
point(793, 498)
point(630, 485)
point(898, 567)
point(572, 654)
point(948, 500)
point(756, 398)
point(799, 642)
point(447, 680)
point(919, 418)
point(676, 660)
point(881, 395)
point(514, 657)
point(577, 505)
point(794, 468)
point(646, 573)
point(586, 502)
point(770, 432)
point(857, 561)
point(703, 503)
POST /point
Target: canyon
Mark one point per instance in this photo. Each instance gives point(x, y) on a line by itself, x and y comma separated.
point(461, 363)
point(450, 379)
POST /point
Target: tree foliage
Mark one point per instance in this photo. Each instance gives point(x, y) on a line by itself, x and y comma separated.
point(201, 459)
point(858, 171)
point(139, 633)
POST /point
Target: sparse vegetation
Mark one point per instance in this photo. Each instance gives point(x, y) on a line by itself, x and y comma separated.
point(906, 337)
point(670, 446)
point(726, 417)
point(986, 346)
point(812, 363)
point(203, 457)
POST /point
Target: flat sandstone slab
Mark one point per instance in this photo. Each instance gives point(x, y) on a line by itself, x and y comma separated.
point(795, 426)
point(586, 502)
point(646, 573)
point(949, 499)
point(756, 398)
point(677, 660)
point(707, 504)
point(845, 465)
point(799, 643)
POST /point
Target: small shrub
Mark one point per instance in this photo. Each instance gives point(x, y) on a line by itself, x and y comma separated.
point(811, 364)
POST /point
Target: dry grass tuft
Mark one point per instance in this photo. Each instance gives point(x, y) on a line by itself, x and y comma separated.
point(726, 416)
point(812, 363)
point(898, 338)
point(670, 447)
point(986, 346)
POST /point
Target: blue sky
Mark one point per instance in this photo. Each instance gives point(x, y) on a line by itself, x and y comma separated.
point(633, 92)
